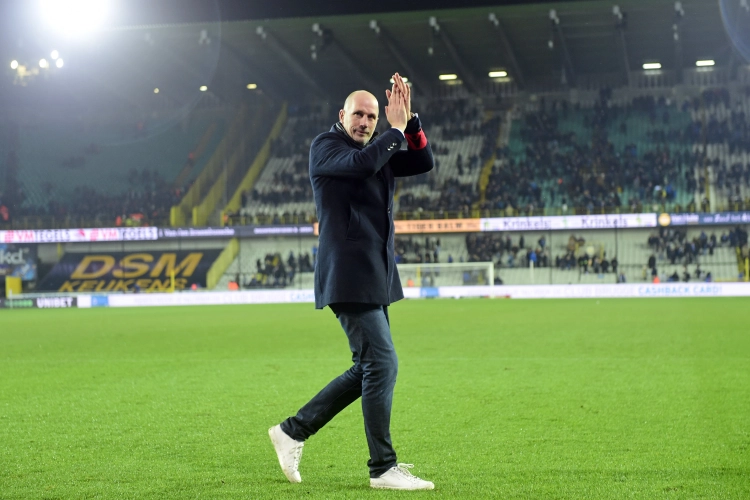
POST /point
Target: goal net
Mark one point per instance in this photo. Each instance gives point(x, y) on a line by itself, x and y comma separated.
point(454, 274)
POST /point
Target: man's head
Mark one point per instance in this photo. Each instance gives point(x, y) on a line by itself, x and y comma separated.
point(360, 115)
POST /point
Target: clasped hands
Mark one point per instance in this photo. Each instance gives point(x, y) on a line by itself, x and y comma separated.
point(398, 110)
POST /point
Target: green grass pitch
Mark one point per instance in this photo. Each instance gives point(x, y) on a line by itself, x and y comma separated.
point(495, 399)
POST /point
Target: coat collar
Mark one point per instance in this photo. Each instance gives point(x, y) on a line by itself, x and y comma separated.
point(339, 129)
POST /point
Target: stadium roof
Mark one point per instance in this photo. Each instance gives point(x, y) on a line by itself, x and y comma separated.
point(287, 59)
point(349, 54)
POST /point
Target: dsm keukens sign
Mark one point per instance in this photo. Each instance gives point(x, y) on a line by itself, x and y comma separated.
point(129, 271)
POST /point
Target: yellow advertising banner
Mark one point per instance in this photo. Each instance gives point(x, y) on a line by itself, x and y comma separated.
point(433, 226)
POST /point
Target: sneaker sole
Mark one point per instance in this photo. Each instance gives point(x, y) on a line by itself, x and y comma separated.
point(431, 487)
point(278, 456)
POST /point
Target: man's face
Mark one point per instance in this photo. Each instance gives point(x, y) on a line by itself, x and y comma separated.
point(360, 116)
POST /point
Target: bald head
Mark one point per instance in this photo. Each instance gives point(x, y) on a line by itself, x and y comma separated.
point(360, 115)
point(360, 97)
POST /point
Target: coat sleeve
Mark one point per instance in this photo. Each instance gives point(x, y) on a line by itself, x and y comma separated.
point(330, 156)
point(417, 159)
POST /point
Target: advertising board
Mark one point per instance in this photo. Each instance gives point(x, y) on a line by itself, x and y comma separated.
point(87, 235)
point(627, 290)
point(565, 222)
point(18, 261)
point(430, 226)
point(39, 303)
point(129, 271)
point(691, 219)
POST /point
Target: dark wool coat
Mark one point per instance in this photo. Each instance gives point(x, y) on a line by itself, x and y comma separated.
point(353, 187)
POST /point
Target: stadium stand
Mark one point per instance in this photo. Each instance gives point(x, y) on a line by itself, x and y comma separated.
point(105, 174)
point(601, 157)
point(629, 153)
point(602, 153)
point(283, 191)
point(265, 263)
point(601, 257)
point(98, 170)
point(720, 132)
point(586, 257)
point(459, 132)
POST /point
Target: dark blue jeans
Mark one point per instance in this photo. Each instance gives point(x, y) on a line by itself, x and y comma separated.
point(372, 377)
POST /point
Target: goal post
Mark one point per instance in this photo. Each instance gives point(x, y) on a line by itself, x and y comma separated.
point(453, 274)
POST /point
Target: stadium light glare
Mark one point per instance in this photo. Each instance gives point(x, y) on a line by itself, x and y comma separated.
point(54, 55)
point(43, 63)
point(156, 90)
point(406, 80)
point(14, 64)
point(59, 63)
point(498, 74)
point(203, 88)
point(704, 63)
point(252, 86)
point(654, 65)
point(75, 17)
point(449, 76)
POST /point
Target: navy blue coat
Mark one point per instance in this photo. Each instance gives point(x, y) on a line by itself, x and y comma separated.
point(353, 187)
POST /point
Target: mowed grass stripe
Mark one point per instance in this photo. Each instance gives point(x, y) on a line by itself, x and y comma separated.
point(495, 399)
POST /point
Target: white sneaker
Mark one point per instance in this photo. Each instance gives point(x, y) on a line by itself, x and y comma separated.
point(289, 452)
point(399, 478)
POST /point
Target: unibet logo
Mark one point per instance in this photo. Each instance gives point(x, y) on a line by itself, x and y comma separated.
point(54, 302)
point(11, 258)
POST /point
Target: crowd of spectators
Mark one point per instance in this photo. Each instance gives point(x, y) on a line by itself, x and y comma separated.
point(732, 130)
point(147, 201)
point(293, 185)
point(290, 186)
point(410, 250)
point(559, 169)
point(673, 246)
point(274, 272)
point(457, 120)
point(500, 249)
point(556, 168)
point(454, 196)
point(307, 122)
point(504, 252)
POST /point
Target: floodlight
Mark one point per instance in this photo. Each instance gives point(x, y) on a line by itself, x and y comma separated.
point(704, 63)
point(75, 17)
point(654, 65)
point(54, 55)
point(14, 64)
point(498, 74)
point(156, 90)
point(203, 88)
point(43, 64)
point(59, 63)
point(450, 76)
point(252, 86)
point(406, 80)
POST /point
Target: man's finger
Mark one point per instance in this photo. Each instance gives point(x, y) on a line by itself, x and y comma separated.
point(404, 86)
point(397, 81)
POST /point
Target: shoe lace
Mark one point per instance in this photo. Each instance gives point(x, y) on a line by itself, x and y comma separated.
point(297, 454)
point(403, 469)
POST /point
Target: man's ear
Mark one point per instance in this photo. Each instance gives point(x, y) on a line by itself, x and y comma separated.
point(341, 116)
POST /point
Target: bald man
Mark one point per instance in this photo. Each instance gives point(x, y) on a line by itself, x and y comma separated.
point(353, 177)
